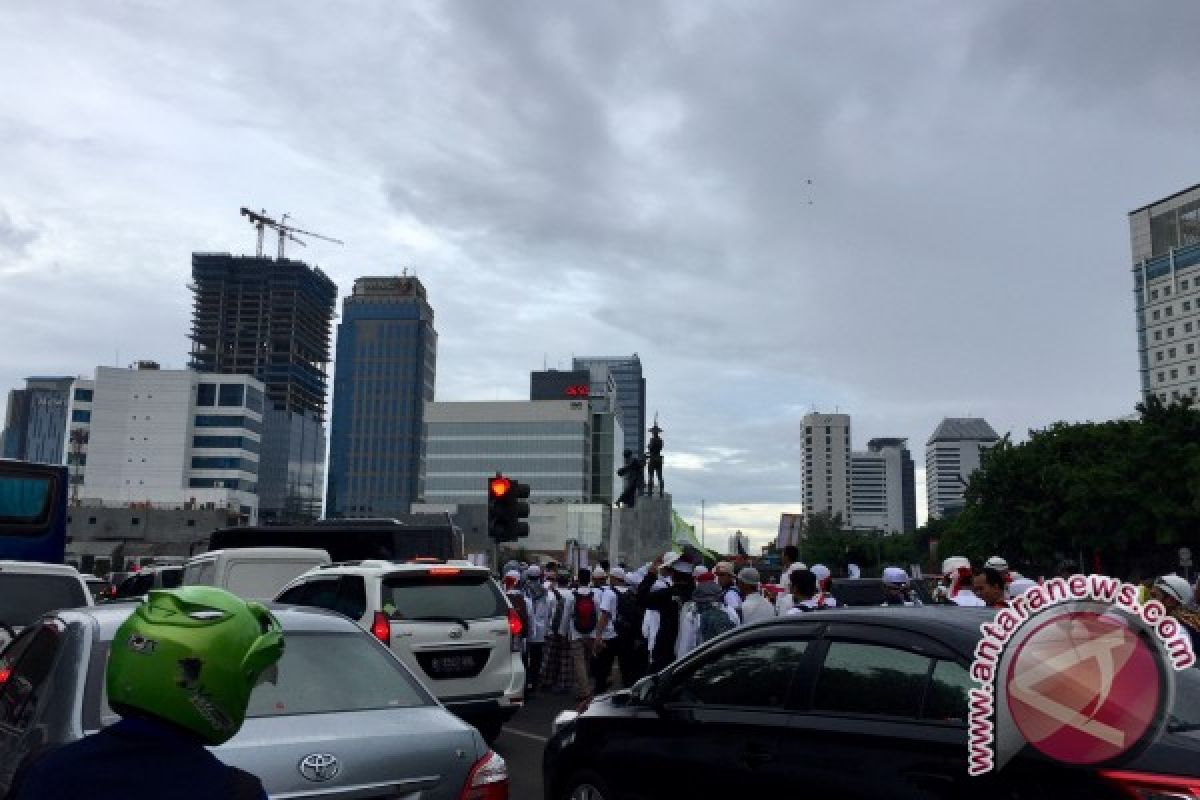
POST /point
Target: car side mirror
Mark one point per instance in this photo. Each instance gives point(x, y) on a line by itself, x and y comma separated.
point(643, 692)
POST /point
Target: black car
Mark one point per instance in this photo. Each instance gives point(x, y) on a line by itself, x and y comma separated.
point(866, 703)
point(138, 583)
point(852, 592)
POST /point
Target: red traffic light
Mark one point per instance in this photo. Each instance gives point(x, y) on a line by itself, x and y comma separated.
point(498, 487)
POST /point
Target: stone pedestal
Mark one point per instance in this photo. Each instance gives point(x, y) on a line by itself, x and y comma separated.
point(641, 533)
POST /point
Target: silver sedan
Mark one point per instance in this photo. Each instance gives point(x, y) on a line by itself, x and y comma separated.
point(343, 718)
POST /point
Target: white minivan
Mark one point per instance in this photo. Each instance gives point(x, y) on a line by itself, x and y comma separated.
point(252, 573)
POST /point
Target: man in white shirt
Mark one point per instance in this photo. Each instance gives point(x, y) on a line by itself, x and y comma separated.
point(537, 604)
point(729, 592)
point(755, 607)
point(605, 651)
point(791, 563)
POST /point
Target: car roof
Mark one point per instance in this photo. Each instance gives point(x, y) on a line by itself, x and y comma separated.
point(379, 567)
point(952, 624)
point(37, 568)
point(294, 619)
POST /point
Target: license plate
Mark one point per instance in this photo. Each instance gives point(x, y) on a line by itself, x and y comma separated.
point(452, 664)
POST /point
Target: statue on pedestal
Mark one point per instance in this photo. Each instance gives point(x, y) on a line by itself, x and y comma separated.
point(632, 475)
point(654, 460)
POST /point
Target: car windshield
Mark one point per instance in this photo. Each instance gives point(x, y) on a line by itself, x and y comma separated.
point(311, 678)
point(425, 595)
point(24, 597)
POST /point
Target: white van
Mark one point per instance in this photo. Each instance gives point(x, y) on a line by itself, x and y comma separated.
point(252, 573)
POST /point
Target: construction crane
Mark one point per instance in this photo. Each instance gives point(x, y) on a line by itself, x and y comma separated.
point(286, 232)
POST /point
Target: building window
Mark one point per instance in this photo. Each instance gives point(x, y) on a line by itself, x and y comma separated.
point(1162, 376)
point(191, 523)
point(206, 394)
point(1170, 311)
point(79, 415)
point(91, 520)
point(1174, 374)
point(135, 521)
point(1187, 327)
point(1171, 331)
point(1158, 356)
point(83, 395)
point(1154, 294)
point(1192, 370)
point(1191, 349)
point(1156, 315)
point(231, 394)
point(1187, 305)
point(1171, 352)
point(1166, 291)
point(1183, 285)
point(1158, 336)
point(1175, 395)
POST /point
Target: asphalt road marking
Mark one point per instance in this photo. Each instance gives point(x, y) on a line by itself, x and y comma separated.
point(533, 736)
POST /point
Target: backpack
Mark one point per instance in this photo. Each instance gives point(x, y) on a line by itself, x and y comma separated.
point(713, 621)
point(583, 615)
point(629, 615)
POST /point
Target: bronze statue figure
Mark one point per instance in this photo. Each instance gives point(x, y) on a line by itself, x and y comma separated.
point(654, 461)
point(632, 474)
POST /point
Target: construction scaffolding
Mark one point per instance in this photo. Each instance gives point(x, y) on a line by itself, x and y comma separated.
point(266, 317)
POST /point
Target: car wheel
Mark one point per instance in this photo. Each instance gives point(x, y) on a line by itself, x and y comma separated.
point(490, 729)
point(586, 785)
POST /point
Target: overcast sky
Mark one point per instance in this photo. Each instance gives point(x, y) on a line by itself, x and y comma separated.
point(902, 210)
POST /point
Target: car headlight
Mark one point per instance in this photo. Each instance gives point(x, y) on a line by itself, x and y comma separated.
point(563, 719)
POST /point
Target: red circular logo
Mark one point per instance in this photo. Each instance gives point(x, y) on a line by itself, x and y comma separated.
point(1083, 687)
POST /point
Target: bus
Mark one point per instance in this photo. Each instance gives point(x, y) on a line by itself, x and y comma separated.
point(33, 512)
point(410, 537)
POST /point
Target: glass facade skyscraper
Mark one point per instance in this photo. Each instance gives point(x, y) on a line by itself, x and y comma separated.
point(384, 376)
point(36, 425)
point(626, 372)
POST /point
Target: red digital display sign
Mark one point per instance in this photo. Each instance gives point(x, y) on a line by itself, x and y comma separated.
point(579, 390)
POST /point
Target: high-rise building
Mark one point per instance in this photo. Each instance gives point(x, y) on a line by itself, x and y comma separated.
point(271, 319)
point(631, 392)
point(1165, 240)
point(608, 435)
point(167, 439)
point(827, 465)
point(883, 487)
point(952, 455)
point(384, 376)
point(546, 444)
point(35, 425)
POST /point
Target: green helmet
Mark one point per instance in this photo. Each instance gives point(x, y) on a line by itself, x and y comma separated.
point(191, 656)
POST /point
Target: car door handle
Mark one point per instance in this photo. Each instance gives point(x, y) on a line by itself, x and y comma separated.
point(756, 756)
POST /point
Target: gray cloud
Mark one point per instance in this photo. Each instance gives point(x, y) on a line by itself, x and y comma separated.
point(632, 176)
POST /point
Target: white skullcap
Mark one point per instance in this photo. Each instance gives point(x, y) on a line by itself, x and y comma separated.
point(895, 575)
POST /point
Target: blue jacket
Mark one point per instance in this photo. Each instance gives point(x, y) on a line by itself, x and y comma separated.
point(136, 758)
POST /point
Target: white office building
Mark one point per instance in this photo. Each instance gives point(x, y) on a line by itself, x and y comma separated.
point(882, 487)
point(544, 443)
point(952, 455)
point(827, 465)
point(1165, 240)
point(158, 438)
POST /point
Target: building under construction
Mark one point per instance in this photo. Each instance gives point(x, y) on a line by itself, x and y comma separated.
point(271, 318)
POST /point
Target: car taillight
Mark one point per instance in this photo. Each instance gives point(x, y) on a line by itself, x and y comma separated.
point(443, 572)
point(514, 622)
point(1147, 786)
point(5, 674)
point(381, 628)
point(488, 779)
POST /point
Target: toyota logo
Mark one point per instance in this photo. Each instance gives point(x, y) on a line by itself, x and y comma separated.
point(320, 767)
point(455, 633)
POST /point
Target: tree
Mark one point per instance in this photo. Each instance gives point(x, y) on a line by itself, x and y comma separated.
point(1121, 494)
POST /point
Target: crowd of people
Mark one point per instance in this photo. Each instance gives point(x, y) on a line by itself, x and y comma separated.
point(577, 627)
